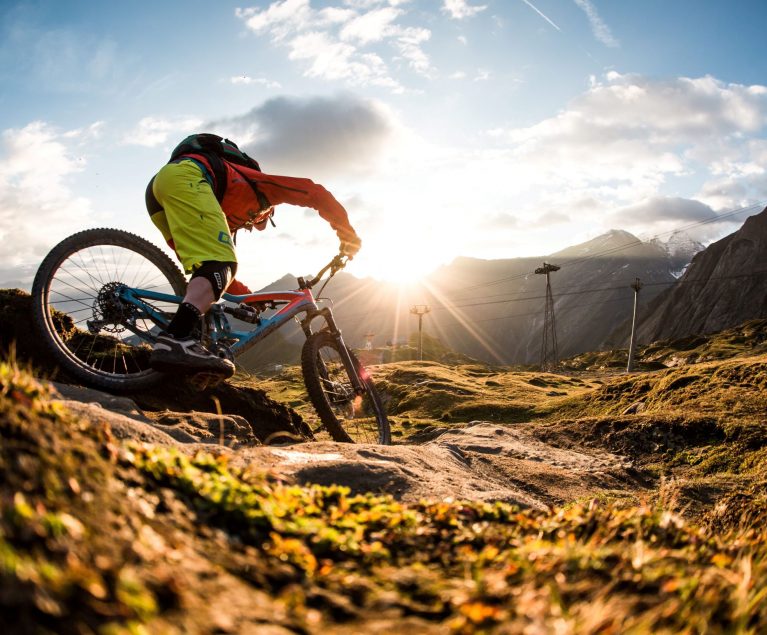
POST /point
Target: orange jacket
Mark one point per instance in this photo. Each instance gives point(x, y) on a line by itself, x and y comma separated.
point(242, 206)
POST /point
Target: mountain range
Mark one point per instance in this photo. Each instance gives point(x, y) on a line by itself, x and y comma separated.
point(493, 310)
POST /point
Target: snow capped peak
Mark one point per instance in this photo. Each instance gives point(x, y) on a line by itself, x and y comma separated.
point(679, 245)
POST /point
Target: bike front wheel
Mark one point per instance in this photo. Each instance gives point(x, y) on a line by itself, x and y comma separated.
point(348, 417)
point(95, 335)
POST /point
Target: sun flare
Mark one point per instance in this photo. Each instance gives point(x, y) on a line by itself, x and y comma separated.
point(398, 263)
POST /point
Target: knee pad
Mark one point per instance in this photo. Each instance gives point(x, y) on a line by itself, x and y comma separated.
point(219, 274)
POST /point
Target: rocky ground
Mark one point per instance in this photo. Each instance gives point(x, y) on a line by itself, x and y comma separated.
point(476, 461)
point(511, 501)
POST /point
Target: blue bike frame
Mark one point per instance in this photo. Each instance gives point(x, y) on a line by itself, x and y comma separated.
point(296, 302)
point(237, 342)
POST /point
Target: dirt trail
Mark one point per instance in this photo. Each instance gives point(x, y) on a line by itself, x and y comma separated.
point(477, 461)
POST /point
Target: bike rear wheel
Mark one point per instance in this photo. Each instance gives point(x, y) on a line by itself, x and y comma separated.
point(347, 417)
point(92, 333)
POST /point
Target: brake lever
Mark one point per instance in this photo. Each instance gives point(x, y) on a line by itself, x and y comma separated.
point(338, 263)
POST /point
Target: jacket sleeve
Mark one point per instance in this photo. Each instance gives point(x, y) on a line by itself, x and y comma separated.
point(306, 193)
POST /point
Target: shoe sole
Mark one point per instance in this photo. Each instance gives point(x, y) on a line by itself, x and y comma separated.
point(184, 369)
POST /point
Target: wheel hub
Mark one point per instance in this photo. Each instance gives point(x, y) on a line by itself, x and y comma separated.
point(110, 313)
point(339, 393)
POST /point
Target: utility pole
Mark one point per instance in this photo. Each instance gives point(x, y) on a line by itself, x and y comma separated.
point(636, 286)
point(420, 310)
point(549, 352)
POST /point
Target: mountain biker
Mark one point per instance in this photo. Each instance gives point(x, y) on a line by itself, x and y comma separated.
point(197, 201)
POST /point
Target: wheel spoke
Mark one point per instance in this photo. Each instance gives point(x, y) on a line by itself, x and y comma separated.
point(80, 292)
point(345, 414)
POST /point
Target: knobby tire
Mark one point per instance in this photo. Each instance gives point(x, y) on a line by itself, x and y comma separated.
point(89, 275)
point(347, 418)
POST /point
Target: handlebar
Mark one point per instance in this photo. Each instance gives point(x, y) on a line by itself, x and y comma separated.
point(334, 266)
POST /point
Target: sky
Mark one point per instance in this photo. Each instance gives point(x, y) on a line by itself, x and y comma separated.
point(490, 129)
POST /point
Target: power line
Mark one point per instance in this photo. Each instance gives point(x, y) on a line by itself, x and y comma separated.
point(534, 313)
point(600, 289)
point(622, 299)
point(633, 243)
point(526, 299)
point(584, 259)
point(580, 292)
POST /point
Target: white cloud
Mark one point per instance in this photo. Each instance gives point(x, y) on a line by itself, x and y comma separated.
point(409, 43)
point(369, 27)
point(641, 131)
point(352, 44)
point(37, 204)
point(83, 135)
point(686, 145)
point(246, 80)
point(663, 215)
point(280, 19)
point(329, 59)
point(461, 9)
point(672, 209)
point(155, 131)
point(600, 30)
point(733, 192)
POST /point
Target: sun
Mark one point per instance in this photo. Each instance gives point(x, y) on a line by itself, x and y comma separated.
point(397, 262)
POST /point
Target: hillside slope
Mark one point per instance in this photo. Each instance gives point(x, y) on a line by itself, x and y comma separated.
point(724, 285)
point(492, 310)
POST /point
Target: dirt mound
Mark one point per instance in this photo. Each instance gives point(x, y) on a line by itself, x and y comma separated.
point(642, 437)
point(16, 331)
point(476, 461)
point(268, 420)
point(733, 387)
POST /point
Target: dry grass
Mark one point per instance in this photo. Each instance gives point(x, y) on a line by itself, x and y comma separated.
point(96, 536)
point(426, 394)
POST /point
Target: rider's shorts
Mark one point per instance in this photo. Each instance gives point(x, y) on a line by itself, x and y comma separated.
point(191, 216)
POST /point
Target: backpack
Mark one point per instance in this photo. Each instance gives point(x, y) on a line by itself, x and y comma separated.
point(217, 150)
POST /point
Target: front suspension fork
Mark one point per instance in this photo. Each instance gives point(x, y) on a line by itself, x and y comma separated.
point(332, 327)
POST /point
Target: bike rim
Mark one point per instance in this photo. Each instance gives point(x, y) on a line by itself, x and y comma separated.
point(357, 414)
point(92, 325)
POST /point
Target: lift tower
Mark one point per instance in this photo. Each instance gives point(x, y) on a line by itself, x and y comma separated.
point(549, 352)
point(420, 310)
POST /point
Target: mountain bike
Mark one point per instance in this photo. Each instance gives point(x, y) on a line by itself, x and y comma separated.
point(101, 297)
